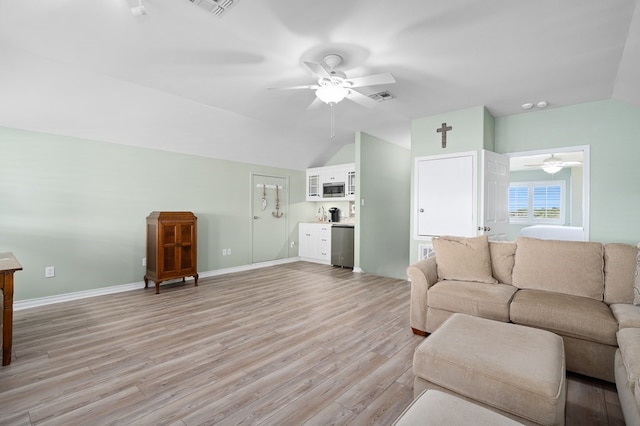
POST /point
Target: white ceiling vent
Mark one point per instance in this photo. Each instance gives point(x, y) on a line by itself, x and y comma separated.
point(215, 7)
point(385, 95)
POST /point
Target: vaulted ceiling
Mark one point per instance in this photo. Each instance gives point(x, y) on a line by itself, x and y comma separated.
point(181, 79)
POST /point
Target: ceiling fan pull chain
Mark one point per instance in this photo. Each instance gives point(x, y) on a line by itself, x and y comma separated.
point(333, 121)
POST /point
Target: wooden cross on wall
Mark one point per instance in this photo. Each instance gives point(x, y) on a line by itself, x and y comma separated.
point(444, 130)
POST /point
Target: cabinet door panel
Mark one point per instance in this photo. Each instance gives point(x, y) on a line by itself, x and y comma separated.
point(169, 234)
point(186, 233)
point(169, 258)
point(446, 190)
point(186, 257)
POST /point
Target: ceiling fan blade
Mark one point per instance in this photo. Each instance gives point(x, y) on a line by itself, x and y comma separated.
point(318, 69)
point(305, 86)
point(315, 104)
point(372, 80)
point(361, 99)
point(571, 163)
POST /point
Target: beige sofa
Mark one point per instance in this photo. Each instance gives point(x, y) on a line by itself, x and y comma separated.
point(582, 291)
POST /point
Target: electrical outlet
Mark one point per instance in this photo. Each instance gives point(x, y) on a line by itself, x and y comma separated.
point(144, 261)
point(293, 244)
point(228, 252)
point(49, 272)
point(224, 252)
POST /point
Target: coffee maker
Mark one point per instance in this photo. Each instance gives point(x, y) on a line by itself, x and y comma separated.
point(335, 214)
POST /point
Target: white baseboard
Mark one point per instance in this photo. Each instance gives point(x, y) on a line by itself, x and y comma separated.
point(48, 300)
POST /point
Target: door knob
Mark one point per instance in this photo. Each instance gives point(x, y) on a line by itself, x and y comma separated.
point(421, 210)
point(256, 217)
point(484, 228)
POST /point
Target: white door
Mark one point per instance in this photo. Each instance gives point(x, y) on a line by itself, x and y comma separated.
point(447, 195)
point(494, 200)
point(269, 202)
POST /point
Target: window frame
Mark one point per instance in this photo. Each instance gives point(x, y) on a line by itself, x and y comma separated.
point(531, 219)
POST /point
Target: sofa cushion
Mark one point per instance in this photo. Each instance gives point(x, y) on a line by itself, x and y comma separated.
point(565, 314)
point(619, 268)
point(464, 259)
point(479, 299)
point(627, 314)
point(503, 256)
point(570, 267)
point(629, 343)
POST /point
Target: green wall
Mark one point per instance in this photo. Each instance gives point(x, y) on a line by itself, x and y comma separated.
point(81, 206)
point(612, 130)
point(383, 183)
point(472, 130)
point(346, 154)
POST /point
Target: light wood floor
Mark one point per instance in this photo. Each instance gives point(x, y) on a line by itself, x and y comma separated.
point(293, 344)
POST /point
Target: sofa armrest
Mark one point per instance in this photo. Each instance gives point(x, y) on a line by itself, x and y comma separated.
point(422, 275)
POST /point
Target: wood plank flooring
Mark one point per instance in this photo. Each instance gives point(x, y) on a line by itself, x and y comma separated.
point(293, 344)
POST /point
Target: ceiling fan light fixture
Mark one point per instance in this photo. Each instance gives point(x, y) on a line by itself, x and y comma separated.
point(331, 94)
point(551, 169)
point(552, 165)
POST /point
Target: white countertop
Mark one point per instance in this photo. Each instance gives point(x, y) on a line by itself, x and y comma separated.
point(344, 223)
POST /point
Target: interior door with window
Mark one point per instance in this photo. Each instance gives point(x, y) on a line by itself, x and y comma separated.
point(269, 212)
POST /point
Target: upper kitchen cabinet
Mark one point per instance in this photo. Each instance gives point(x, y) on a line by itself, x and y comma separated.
point(314, 192)
point(331, 183)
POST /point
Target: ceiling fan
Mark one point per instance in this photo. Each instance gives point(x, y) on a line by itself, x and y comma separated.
point(554, 164)
point(333, 85)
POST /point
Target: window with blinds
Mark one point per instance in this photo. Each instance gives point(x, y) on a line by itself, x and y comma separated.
point(537, 202)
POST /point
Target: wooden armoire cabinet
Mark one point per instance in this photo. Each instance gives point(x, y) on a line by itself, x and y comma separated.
point(172, 249)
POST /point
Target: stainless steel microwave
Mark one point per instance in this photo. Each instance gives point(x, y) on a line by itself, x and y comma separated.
point(333, 190)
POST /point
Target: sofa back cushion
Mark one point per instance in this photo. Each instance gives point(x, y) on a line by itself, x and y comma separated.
point(463, 259)
point(619, 269)
point(503, 256)
point(569, 267)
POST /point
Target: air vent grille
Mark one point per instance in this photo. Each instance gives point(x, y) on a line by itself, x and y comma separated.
point(425, 251)
point(215, 7)
point(385, 95)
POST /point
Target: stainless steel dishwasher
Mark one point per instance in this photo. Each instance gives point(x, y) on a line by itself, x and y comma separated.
point(342, 245)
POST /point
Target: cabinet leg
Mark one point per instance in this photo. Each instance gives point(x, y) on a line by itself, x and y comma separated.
point(195, 278)
point(146, 282)
point(157, 287)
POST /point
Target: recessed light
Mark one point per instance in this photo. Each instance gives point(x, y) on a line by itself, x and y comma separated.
point(528, 105)
point(542, 104)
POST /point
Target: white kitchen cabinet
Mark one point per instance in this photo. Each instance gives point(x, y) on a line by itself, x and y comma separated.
point(333, 174)
point(314, 242)
point(318, 176)
point(314, 188)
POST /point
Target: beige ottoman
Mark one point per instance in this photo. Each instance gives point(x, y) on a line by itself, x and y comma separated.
point(436, 408)
point(511, 369)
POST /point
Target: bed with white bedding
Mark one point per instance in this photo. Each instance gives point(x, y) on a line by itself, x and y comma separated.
point(554, 232)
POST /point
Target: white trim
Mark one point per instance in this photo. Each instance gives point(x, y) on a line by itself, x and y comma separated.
point(358, 270)
point(49, 300)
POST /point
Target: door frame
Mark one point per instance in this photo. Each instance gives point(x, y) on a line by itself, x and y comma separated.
point(586, 176)
point(285, 203)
